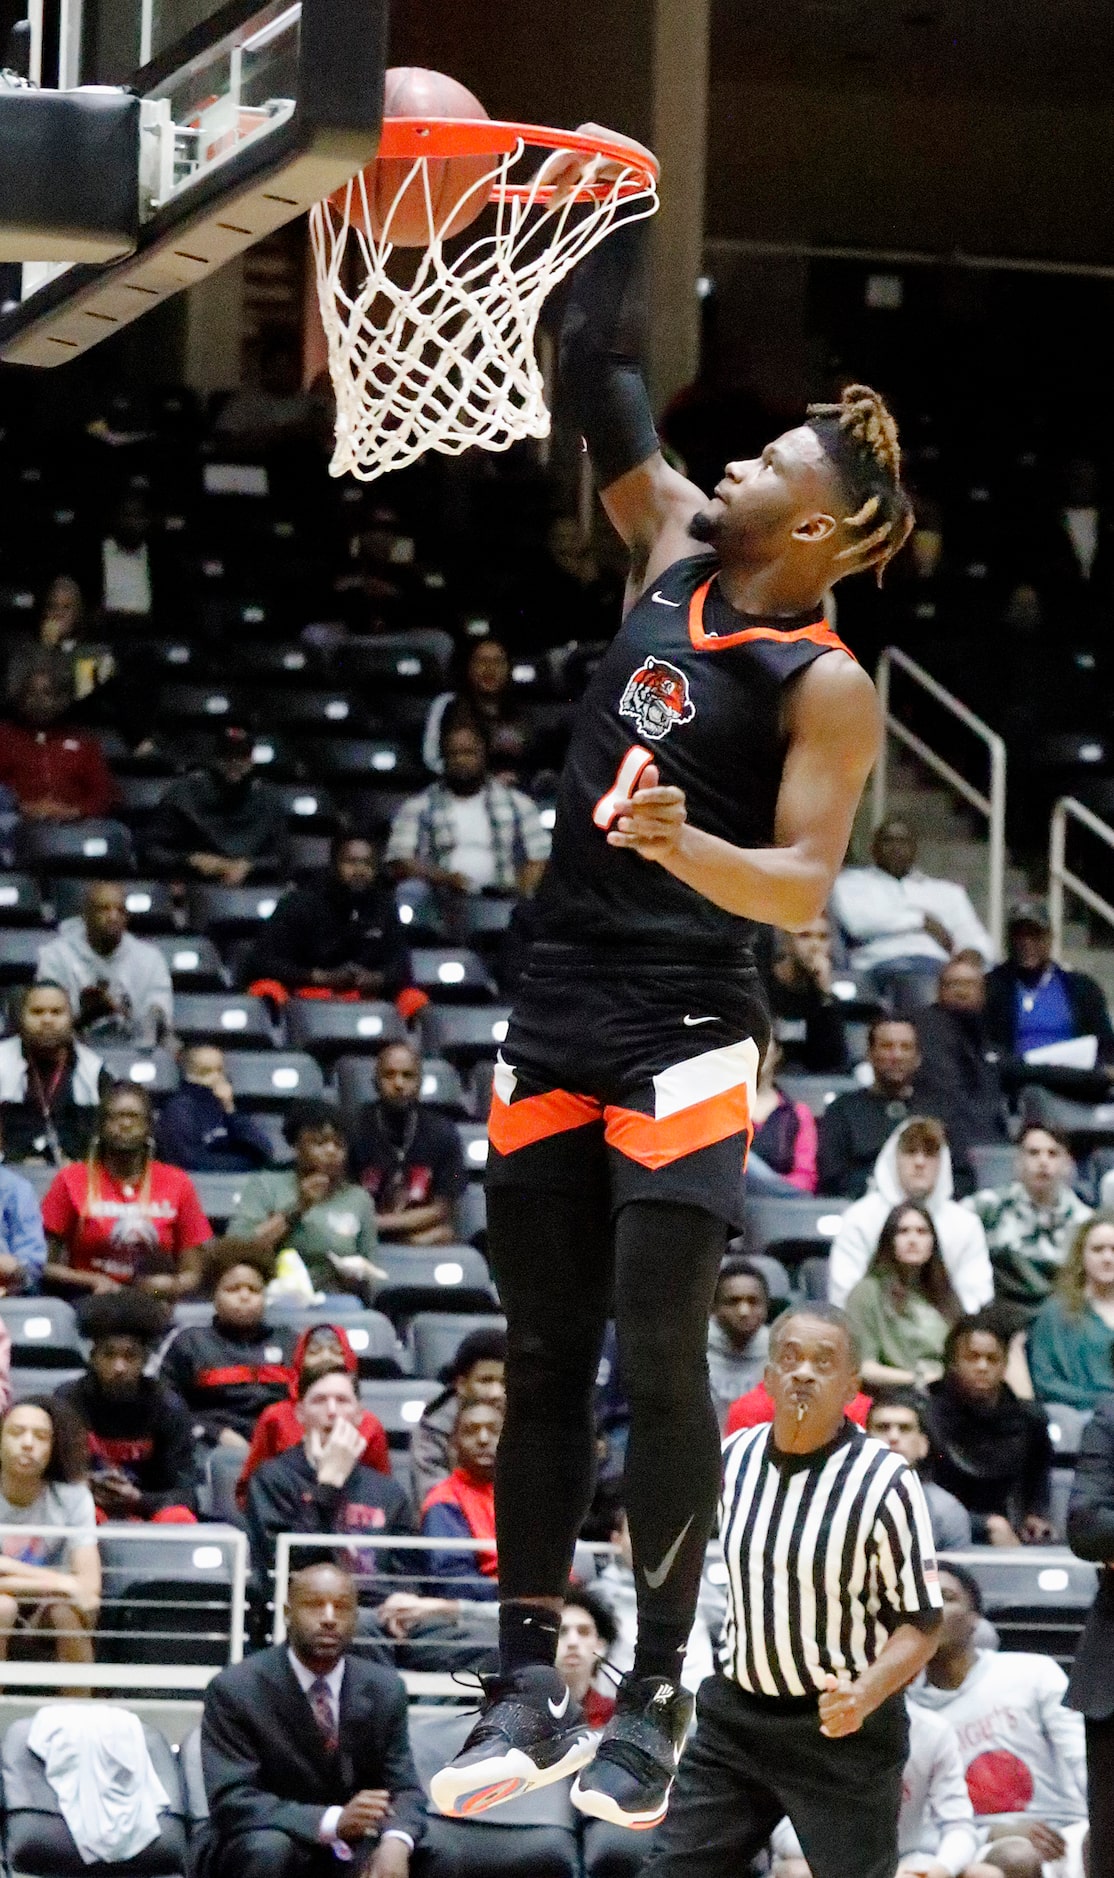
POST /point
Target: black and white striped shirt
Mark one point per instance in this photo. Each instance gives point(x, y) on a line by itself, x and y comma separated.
point(826, 1554)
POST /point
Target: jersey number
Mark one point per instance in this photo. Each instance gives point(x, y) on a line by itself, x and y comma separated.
point(624, 786)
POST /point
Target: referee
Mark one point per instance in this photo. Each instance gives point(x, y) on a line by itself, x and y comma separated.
point(833, 1604)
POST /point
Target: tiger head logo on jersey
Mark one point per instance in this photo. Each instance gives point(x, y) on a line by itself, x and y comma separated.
point(657, 698)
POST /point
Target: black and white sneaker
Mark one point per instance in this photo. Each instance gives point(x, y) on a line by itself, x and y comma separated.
point(635, 1764)
point(530, 1733)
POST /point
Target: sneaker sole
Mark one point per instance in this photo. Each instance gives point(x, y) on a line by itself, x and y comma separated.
point(597, 1805)
point(463, 1792)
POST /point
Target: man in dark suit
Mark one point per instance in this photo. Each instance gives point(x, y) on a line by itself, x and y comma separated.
point(305, 1751)
point(1091, 1688)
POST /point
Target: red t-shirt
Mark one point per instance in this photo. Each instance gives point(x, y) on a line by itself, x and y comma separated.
point(124, 1228)
point(756, 1407)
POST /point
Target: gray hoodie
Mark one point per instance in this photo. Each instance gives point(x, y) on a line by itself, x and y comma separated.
point(733, 1372)
point(135, 973)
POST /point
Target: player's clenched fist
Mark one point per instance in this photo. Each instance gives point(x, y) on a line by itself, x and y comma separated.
point(650, 821)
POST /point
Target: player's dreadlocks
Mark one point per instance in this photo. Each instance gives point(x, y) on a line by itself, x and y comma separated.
point(860, 436)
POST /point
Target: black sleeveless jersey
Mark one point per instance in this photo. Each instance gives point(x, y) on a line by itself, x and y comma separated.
point(695, 687)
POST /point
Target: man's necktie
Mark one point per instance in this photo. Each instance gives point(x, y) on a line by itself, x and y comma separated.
point(321, 1702)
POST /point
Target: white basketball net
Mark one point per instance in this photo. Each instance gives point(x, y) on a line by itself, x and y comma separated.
point(447, 362)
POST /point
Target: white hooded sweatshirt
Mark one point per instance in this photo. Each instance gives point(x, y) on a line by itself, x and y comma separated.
point(960, 1232)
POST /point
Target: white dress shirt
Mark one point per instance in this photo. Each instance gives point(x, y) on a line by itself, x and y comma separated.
point(883, 917)
point(327, 1830)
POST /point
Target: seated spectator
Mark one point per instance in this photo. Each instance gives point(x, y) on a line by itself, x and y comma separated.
point(305, 1751)
point(958, 1080)
point(338, 936)
point(588, 1632)
point(50, 1586)
point(118, 985)
point(783, 1149)
point(991, 1450)
point(313, 1207)
point(898, 1417)
point(221, 823)
point(1032, 1003)
point(856, 1126)
point(1070, 1338)
point(230, 1371)
point(1022, 1750)
point(476, 1374)
point(757, 1406)
point(898, 918)
point(200, 1127)
point(467, 832)
point(615, 1585)
point(915, 1164)
point(738, 1340)
point(140, 1431)
point(408, 1157)
point(808, 1018)
point(462, 1506)
point(61, 629)
point(484, 701)
point(50, 1084)
point(904, 1306)
point(126, 562)
point(120, 1217)
point(324, 1485)
point(319, 1351)
point(22, 1239)
point(1030, 1223)
point(1091, 1536)
point(56, 772)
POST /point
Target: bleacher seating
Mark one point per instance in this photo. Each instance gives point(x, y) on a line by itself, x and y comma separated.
point(535, 1832)
point(273, 1078)
point(465, 1032)
point(177, 1593)
point(43, 1333)
point(224, 1018)
point(154, 1070)
point(37, 1840)
point(432, 1278)
point(791, 1229)
point(327, 1030)
point(371, 1334)
point(87, 847)
point(433, 1337)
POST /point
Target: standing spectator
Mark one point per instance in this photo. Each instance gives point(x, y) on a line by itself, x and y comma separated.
point(738, 1340)
point(140, 1431)
point(808, 1017)
point(118, 985)
point(484, 701)
point(56, 772)
point(126, 571)
point(904, 1305)
point(1091, 1689)
point(474, 1375)
point(588, 1633)
point(855, 1127)
point(784, 1140)
point(22, 1240)
point(468, 832)
point(898, 918)
point(313, 1207)
point(462, 1506)
point(200, 1127)
point(915, 1164)
point(53, 1586)
point(408, 1158)
point(1029, 1224)
point(230, 1371)
point(319, 1351)
point(339, 935)
point(1032, 1002)
point(992, 1451)
point(1070, 1338)
point(1022, 1749)
point(324, 1485)
point(958, 1080)
point(221, 823)
point(898, 1417)
point(50, 1084)
point(121, 1217)
point(305, 1752)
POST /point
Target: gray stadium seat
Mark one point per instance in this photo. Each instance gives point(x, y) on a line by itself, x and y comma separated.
point(816, 1092)
point(470, 1214)
point(421, 659)
point(433, 1278)
point(226, 1018)
point(153, 1070)
point(19, 952)
point(1037, 1597)
point(791, 1229)
point(273, 1078)
point(43, 1333)
point(169, 1602)
point(812, 1280)
point(232, 912)
point(435, 1337)
point(28, 1381)
point(193, 1780)
point(452, 974)
point(486, 919)
point(328, 1030)
point(371, 1335)
point(535, 1833)
point(362, 760)
point(149, 903)
point(37, 1840)
point(994, 1163)
point(194, 962)
point(86, 847)
point(775, 1274)
point(419, 912)
point(219, 1195)
point(473, 1140)
point(21, 903)
point(399, 1404)
point(1065, 1426)
point(464, 1032)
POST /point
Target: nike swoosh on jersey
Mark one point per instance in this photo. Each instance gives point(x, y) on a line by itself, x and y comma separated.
point(656, 1579)
point(560, 1709)
point(690, 1021)
point(661, 599)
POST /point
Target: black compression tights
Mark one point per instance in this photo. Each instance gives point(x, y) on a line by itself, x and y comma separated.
point(560, 1277)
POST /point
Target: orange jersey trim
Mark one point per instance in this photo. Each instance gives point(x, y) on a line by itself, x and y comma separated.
point(819, 633)
point(654, 1143)
point(513, 1125)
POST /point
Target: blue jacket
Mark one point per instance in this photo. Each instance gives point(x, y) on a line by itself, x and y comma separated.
point(21, 1225)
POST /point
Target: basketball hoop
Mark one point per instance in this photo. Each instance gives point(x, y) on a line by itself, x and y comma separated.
point(446, 361)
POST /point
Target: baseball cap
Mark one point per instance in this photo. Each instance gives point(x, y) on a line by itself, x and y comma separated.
point(235, 740)
point(1029, 913)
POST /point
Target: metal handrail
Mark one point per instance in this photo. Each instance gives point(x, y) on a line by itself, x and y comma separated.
point(992, 805)
point(1061, 876)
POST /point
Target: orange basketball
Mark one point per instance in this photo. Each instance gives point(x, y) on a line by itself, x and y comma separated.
point(413, 92)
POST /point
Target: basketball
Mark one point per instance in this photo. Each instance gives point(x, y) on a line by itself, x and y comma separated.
point(413, 92)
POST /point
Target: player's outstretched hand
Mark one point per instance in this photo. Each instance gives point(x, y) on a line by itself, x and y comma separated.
point(568, 171)
point(652, 820)
point(843, 1707)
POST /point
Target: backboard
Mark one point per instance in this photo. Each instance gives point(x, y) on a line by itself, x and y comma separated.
point(249, 113)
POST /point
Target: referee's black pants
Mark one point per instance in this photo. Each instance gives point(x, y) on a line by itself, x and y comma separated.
point(751, 1761)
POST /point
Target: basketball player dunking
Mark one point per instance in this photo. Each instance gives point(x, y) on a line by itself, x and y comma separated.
point(712, 780)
